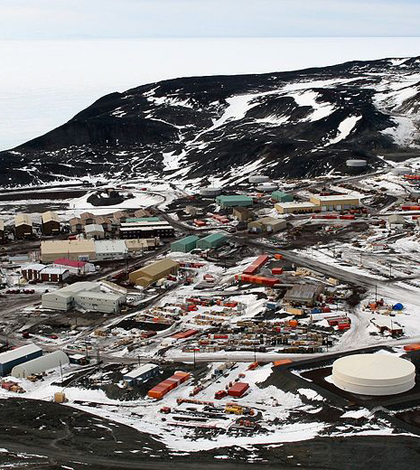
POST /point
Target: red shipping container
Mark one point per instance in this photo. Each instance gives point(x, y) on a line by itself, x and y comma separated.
point(238, 390)
point(277, 271)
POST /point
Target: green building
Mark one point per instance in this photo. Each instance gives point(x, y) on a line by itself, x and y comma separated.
point(234, 201)
point(185, 245)
point(280, 196)
point(212, 241)
point(142, 219)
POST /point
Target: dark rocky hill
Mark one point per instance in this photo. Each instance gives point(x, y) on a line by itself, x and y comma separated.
point(294, 124)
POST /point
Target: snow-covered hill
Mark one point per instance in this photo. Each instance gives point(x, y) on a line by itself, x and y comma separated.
point(293, 124)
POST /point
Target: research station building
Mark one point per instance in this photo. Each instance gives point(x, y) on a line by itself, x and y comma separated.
point(23, 226)
point(185, 245)
point(212, 241)
point(76, 250)
point(86, 295)
point(14, 357)
point(234, 201)
point(336, 202)
point(267, 225)
point(40, 364)
point(50, 223)
point(153, 272)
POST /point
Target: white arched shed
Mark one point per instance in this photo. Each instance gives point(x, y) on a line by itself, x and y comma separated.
point(40, 364)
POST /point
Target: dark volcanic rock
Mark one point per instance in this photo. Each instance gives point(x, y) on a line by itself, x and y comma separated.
point(291, 124)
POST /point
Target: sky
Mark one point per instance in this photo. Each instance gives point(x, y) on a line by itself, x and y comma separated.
point(83, 19)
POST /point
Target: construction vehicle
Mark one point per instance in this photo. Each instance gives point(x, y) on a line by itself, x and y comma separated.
point(235, 408)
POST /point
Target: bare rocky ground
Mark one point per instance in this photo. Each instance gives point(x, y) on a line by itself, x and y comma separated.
point(38, 435)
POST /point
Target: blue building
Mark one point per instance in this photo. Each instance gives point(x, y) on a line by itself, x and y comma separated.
point(142, 374)
point(14, 357)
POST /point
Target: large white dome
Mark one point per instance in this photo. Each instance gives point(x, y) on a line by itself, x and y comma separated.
point(374, 374)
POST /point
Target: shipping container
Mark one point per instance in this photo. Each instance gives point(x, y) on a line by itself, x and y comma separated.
point(347, 217)
point(184, 334)
point(256, 265)
point(238, 389)
point(410, 208)
point(265, 281)
point(277, 271)
point(282, 362)
point(412, 347)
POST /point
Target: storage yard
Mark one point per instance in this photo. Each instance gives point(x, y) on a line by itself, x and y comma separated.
point(212, 316)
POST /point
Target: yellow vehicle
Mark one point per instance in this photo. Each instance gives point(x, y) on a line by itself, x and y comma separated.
point(234, 409)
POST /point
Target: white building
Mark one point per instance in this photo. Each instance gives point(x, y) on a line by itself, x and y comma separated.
point(110, 249)
point(94, 231)
point(40, 364)
point(86, 295)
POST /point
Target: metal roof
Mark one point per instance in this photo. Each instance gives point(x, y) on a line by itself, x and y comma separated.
point(336, 197)
point(67, 246)
point(110, 246)
point(94, 228)
point(156, 268)
point(49, 216)
point(186, 240)
point(33, 267)
point(41, 364)
point(23, 219)
point(214, 237)
point(17, 353)
point(141, 370)
point(234, 198)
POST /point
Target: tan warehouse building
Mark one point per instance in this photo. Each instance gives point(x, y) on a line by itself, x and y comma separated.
point(153, 272)
point(75, 250)
point(336, 202)
point(267, 225)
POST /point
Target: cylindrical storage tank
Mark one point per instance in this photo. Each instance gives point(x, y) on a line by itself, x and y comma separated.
point(356, 163)
point(401, 170)
point(267, 187)
point(211, 191)
point(374, 374)
point(258, 179)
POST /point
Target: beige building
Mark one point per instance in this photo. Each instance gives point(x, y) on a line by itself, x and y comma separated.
point(153, 272)
point(50, 223)
point(23, 226)
point(136, 245)
point(76, 250)
point(296, 207)
point(336, 202)
point(267, 225)
point(243, 214)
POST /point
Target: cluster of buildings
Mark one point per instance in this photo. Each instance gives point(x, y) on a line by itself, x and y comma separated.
point(319, 203)
point(192, 242)
point(28, 360)
point(95, 250)
point(141, 226)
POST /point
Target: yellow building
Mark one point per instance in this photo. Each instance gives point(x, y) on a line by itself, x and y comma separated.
point(336, 202)
point(153, 272)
